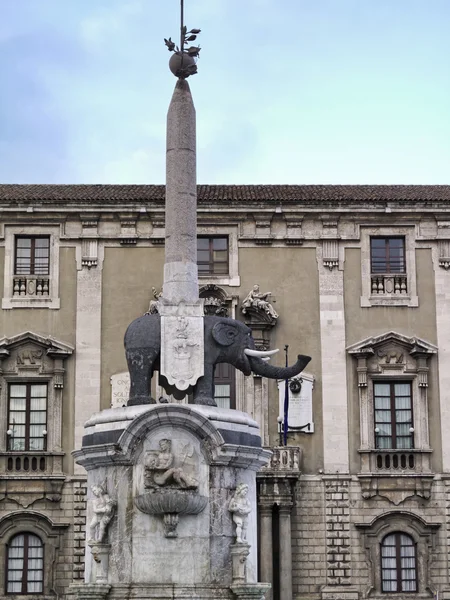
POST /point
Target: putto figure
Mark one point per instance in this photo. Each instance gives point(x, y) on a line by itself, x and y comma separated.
point(103, 507)
point(159, 469)
point(259, 301)
point(240, 507)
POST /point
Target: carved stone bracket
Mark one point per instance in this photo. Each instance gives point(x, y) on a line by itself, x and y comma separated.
point(263, 231)
point(128, 232)
point(294, 235)
point(330, 253)
point(89, 241)
point(444, 254)
point(396, 489)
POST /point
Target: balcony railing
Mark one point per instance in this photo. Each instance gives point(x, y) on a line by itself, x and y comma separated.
point(31, 463)
point(395, 461)
point(395, 285)
point(285, 459)
point(31, 286)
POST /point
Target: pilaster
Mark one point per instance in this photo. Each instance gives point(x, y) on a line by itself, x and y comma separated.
point(88, 343)
point(334, 378)
point(442, 285)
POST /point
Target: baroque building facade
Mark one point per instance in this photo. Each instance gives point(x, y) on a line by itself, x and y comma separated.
point(357, 504)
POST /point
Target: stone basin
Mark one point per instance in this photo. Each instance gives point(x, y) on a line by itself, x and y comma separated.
point(173, 501)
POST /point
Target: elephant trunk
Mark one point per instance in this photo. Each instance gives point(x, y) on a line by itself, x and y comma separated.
point(262, 368)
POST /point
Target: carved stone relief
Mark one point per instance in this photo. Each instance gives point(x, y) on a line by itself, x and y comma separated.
point(171, 482)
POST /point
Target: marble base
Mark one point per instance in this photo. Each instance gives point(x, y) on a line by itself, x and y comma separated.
point(212, 450)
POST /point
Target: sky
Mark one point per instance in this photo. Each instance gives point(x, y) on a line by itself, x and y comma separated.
point(288, 91)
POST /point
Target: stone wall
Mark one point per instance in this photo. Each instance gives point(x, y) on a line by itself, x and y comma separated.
point(335, 534)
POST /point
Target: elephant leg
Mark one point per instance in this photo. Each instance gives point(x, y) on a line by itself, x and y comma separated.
point(204, 389)
point(140, 365)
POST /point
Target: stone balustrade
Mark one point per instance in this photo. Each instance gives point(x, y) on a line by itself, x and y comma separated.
point(284, 459)
point(389, 284)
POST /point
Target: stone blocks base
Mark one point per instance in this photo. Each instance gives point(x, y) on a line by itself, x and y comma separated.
point(339, 592)
point(250, 591)
point(89, 591)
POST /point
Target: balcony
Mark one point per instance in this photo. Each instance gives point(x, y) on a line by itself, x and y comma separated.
point(285, 460)
point(14, 464)
point(395, 462)
point(31, 286)
point(389, 284)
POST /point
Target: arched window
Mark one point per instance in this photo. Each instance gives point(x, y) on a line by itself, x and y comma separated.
point(398, 563)
point(25, 565)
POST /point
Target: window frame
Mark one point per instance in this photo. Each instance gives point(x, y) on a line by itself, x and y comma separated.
point(33, 249)
point(391, 383)
point(220, 379)
point(211, 262)
point(28, 411)
point(368, 298)
point(387, 257)
point(31, 299)
point(398, 564)
point(25, 568)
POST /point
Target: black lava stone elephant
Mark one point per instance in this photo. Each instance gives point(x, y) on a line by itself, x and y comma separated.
point(226, 341)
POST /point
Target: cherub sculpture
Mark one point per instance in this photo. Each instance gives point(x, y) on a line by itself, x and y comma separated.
point(240, 507)
point(103, 507)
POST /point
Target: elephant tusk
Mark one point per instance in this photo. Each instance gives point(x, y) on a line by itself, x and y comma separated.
point(266, 358)
point(259, 353)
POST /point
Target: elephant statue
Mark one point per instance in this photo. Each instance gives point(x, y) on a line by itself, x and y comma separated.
point(226, 341)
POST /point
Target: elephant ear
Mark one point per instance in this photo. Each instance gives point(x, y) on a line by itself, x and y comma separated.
point(224, 333)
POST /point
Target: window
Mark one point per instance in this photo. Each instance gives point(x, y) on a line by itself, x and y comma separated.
point(224, 386)
point(25, 565)
point(387, 254)
point(32, 255)
point(388, 266)
point(212, 255)
point(398, 563)
point(27, 417)
point(393, 415)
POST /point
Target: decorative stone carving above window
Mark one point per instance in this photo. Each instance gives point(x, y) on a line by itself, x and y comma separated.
point(389, 289)
point(31, 290)
point(398, 358)
point(216, 301)
point(259, 315)
point(33, 358)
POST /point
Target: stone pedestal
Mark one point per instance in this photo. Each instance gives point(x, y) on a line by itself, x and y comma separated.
point(100, 554)
point(171, 471)
point(89, 591)
point(239, 554)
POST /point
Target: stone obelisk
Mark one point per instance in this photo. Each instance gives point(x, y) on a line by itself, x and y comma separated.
point(181, 309)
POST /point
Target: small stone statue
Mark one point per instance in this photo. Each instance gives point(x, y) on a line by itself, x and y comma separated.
point(159, 470)
point(153, 308)
point(240, 507)
point(103, 507)
point(259, 301)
